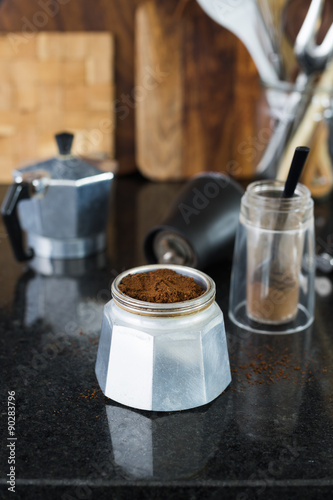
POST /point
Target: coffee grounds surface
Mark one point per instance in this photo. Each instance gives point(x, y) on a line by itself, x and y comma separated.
point(160, 286)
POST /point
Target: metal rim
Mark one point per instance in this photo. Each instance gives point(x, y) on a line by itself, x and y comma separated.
point(255, 195)
point(159, 309)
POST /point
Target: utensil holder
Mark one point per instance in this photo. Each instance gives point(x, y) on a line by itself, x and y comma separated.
point(299, 117)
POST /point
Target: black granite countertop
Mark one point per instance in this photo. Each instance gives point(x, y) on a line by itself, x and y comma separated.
point(269, 435)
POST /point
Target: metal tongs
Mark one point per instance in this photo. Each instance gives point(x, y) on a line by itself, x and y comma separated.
point(313, 59)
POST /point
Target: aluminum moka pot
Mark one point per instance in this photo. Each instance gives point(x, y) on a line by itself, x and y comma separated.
point(61, 203)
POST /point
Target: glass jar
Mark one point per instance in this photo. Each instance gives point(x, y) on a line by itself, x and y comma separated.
point(292, 115)
point(163, 357)
point(272, 282)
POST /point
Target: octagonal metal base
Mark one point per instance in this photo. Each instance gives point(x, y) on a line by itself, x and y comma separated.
point(165, 369)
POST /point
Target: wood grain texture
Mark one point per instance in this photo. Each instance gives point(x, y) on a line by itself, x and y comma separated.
point(318, 174)
point(230, 100)
point(66, 83)
point(159, 124)
point(197, 117)
point(115, 16)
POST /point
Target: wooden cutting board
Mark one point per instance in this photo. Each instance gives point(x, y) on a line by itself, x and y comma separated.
point(52, 82)
point(197, 93)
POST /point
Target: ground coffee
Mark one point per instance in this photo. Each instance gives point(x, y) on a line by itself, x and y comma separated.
point(161, 285)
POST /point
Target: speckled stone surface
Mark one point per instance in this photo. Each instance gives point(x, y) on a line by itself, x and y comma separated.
point(269, 435)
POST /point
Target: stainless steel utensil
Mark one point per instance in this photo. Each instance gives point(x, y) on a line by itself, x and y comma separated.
point(243, 18)
point(312, 59)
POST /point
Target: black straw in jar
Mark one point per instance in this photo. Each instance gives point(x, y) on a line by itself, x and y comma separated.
point(296, 167)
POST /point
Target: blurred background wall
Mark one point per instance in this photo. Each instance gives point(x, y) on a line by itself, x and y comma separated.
point(182, 90)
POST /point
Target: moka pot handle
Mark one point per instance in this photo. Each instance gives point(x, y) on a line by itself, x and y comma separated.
point(16, 193)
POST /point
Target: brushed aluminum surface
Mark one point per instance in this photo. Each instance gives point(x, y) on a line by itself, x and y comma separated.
point(163, 363)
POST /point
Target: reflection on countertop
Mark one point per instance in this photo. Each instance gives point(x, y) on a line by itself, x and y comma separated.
point(269, 434)
point(162, 445)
